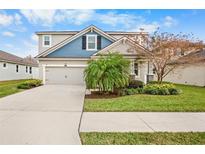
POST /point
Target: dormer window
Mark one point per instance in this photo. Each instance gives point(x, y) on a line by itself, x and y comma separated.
point(46, 40)
point(91, 42)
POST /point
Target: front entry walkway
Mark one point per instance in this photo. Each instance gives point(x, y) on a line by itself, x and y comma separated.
point(48, 114)
point(142, 122)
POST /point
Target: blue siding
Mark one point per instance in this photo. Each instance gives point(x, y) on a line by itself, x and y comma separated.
point(74, 48)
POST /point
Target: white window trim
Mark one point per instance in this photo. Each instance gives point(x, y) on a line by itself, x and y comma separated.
point(133, 68)
point(6, 65)
point(27, 69)
point(50, 39)
point(30, 67)
point(138, 64)
point(95, 42)
point(16, 69)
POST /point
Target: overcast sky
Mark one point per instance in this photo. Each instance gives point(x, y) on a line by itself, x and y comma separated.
point(18, 27)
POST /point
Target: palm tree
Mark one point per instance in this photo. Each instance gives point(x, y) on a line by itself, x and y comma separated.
point(107, 73)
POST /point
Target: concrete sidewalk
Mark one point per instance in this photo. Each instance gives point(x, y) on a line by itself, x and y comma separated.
point(142, 122)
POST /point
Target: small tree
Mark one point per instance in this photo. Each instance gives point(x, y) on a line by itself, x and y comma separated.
point(167, 51)
point(107, 73)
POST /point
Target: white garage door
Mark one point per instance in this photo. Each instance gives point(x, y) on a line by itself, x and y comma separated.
point(65, 75)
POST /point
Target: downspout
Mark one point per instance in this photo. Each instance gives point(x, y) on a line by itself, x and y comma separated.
point(147, 73)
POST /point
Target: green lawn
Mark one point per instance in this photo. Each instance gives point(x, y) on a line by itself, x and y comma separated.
point(160, 138)
point(9, 87)
point(192, 99)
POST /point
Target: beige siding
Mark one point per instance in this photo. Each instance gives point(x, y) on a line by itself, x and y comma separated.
point(55, 39)
point(122, 49)
point(117, 36)
point(189, 74)
point(9, 73)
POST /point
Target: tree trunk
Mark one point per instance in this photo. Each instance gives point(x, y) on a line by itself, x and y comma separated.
point(159, 78)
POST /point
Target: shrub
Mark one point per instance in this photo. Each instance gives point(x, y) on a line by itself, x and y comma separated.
point(156, 82)
point(107, 73)
point(130, 91)
point(140, 90)
point(174, 91)
point(135, 84)
point(23, 86)
point(29, 84)
point(161, 89)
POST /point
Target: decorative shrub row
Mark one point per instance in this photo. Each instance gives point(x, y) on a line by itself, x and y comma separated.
point(161, 89)
point(156, 82)
point(153, 89)
point(30, 84)
point(130, 91)
point(135, 84)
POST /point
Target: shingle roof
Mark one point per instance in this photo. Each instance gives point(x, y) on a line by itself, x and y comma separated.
point(191, 58)
point(75, 32)
point(7, 57)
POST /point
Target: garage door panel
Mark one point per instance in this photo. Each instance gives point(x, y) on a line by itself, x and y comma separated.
point(65, 75)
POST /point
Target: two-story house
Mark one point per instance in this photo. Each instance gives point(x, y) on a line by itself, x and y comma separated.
point(63, 55)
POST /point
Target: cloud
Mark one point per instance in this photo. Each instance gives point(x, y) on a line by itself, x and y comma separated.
point(6, 20)
point(7, 33)
point(76, 17)
point(169, 21)
point(149, 27)
point(114, 19)
point(34, 37)
point(125, 21)
point(17, 19)
point(8, 45)
point(30, 48)
point(50, 17)
point(44, 17)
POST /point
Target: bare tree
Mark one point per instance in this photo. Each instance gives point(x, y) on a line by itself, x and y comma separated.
point(167, 51)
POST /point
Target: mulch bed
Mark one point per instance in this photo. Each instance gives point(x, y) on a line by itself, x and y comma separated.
point(97, 95)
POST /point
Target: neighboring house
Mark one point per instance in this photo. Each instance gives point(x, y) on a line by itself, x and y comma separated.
point(14, 68)
point(63, 55)
point(192, 74)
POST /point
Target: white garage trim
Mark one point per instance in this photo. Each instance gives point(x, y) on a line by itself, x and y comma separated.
point(57, 65)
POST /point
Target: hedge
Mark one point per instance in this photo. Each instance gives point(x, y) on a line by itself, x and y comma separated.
point(30, 84)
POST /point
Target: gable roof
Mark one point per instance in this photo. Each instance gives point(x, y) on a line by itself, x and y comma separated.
point(193, 57)
point(117, 42)
point(67, 40)
point(10, 58)
point(75, 32)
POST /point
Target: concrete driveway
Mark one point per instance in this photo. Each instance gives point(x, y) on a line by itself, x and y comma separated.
point(48, 114)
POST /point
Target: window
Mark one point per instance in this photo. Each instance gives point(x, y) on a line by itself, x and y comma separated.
point(154, 70)
point(136, 68)
point(91, 42)
point(46, 40)
point(26, 69)
point(30, 70)
point(17, 68)
point(4, 65)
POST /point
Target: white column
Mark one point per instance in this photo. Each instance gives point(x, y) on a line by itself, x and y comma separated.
point(44, 74)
